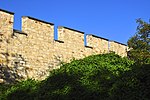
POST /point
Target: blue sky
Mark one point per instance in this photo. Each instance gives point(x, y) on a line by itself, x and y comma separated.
point(112, 19)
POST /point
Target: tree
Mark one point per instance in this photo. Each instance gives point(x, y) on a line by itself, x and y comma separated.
point(139, 44)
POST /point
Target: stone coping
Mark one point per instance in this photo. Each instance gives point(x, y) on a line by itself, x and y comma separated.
point(20, 32)
point(59, 41)
point(38, 20)
point(98, 37)
point(7, 11)
point(88, 47)
point(71, 29)
point(118, 42)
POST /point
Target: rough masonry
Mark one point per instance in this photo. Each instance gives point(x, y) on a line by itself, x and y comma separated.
point(33, 52)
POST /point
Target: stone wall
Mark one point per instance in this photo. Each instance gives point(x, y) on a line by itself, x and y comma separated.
point(6, 29)
point(117, 47)
point(99, 44)
point(33, 52)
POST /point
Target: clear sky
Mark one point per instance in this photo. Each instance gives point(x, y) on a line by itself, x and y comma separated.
point(112, 19)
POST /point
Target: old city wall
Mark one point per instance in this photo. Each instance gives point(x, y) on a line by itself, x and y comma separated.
point(32, 52)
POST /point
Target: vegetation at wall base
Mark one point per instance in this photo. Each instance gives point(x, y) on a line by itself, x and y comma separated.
point(97, 77)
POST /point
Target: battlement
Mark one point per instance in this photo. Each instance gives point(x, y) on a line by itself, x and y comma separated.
point(38, 49)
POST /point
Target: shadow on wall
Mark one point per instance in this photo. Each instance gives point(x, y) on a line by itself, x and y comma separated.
point(8, 74)
point(17, 71)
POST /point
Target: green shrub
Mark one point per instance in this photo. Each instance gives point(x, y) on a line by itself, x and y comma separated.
point(21, 91)
point(98, 77)
point(88, 78)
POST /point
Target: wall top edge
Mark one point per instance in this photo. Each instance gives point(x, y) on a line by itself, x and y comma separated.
point(118, 42)
point(72, 29)
point(98, 37)
point(18, 31)
point(38, 20)
point(7, 11)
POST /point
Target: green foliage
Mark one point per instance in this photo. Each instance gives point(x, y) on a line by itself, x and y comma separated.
point(134, 84)
point(140, 43)
point(3, 90)
point(98, 77)
point(87, 78)
point(21, 91)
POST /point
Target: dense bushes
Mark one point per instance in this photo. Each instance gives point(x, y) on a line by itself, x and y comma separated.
point(100, 77)
point(22, 91)
point(89, 78)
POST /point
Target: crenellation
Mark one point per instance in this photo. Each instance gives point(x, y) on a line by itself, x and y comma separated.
point(33, 52)
point(70, 35)
point(99, 45)
point(118, 48)
point(41, 28)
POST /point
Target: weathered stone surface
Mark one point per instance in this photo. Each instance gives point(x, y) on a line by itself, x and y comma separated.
point(33, 52)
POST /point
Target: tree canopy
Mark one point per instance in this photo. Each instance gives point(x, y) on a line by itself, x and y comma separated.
point(139, 44)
